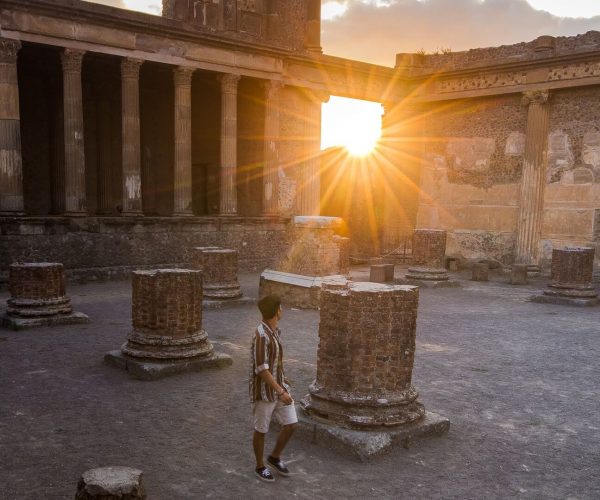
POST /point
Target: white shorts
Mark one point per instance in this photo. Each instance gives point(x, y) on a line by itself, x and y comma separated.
point(265, 410)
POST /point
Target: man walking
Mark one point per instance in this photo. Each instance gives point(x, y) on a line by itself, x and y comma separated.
point(269, 389)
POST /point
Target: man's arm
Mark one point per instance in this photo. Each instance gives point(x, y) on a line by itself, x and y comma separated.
point(282, 394)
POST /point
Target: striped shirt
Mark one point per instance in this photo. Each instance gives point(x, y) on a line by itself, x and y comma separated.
point(266, 353)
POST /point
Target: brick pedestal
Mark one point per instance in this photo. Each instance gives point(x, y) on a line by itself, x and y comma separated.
point(111, 483)
point(429, 251)
point(381, 273)
point(480, 272)
point(571, 278)
point(167, 335)
point(365, 362)
point(219, 271)
point(519, 274)
point(38, 297)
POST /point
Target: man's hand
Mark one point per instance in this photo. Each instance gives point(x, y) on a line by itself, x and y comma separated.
point(286, 399)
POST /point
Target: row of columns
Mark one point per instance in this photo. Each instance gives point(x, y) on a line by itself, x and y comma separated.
point(11, 176)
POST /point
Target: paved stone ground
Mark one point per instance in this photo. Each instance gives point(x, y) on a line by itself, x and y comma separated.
point(519, 381)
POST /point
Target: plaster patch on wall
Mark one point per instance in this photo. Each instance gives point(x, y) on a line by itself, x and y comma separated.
point(133, 186)
point(471, 154)
point(515, 144)
point(560, 155)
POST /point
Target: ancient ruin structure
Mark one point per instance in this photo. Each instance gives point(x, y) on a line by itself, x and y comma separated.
point(38, 297)
point(215, 140)
point(381, 273)
point(364, 364)
point(167, 335)
point(519, 274)
point(429, 252)
point(571, 278)
point(219, 272)
point(315, 251)
point(480, 272)
point(111, 483)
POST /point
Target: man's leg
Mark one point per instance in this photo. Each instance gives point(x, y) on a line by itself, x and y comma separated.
point(258, 443)
point(284, 436)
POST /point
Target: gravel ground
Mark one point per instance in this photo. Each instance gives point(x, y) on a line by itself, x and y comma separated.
point(519, 382)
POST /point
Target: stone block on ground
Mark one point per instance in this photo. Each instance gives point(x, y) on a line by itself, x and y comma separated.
point(111, 483)
point(519, 274)
point(480, 272)
point(381, 273)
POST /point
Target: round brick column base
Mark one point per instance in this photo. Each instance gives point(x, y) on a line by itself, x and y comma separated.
point(427, 273)
point(363, 411)
point(162, 347)
point(571, 291)
point(35, 308)
point(222, 291)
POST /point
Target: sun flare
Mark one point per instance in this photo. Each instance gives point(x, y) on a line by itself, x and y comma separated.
point(351, 123)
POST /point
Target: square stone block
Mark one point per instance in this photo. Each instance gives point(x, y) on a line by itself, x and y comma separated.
point(154, 370)
point(18, 323)
point(381, 273)
point(367, 444)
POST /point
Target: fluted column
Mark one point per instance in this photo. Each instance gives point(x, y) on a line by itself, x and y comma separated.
point(309, 191)
point(183, 141)
point(229, 87)
point(75, 196)
point(132, 169)
point(11, 164)
point(533, 183)
point(271, 148)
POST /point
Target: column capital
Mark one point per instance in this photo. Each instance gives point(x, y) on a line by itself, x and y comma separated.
point(315, 95)
point(182, 76)
point(130, 67)
point(9, 50)
point(229, 83)
point(71, 60)
point(535, 97)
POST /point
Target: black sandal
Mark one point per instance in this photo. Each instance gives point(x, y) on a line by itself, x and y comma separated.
point(264, 474)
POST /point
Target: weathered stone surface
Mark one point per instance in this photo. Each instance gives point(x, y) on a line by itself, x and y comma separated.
point(219, 271)
point(381, 273)
point(38, 297)
point(480, 272)
point(111, 483)
point(571, 279)
point(519, 274)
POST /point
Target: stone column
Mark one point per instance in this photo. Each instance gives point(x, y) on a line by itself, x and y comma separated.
point(38, 297)
point(229, 89)
point(219, 271)
point(364, 368)
point(11, 165)
point(533, 183)
point(271, 148)
point(429, 252)
point(132, 169)
point(309, 190)
point(182, 77)
point(75, 195)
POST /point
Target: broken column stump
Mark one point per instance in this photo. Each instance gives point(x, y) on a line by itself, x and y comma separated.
point(219, 268)
point(111, 483)
point(480, 272)
point(363, 399)
point(571, 278)
point(167, 335)
point(38, 297)
point(381, 273)
point(429, 251)
point(519, 274)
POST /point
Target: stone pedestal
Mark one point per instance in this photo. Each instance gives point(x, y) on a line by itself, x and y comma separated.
point(219, 271)
point(571, 279)
point(429, 251)
point(480, 272)
point(364, 366)
point(38, 297)
point(111, 483)
point(381, 273)
point(315, 252)
point(167, 335)
point(519, 274)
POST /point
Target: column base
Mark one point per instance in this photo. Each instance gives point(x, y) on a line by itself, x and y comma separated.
point(222, 292)
point(366, 444)
point(427, 273)
point(182, 214)
point(19, 323)
point(154, 370)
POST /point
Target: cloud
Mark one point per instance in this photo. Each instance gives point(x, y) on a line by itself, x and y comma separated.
point(373, 33)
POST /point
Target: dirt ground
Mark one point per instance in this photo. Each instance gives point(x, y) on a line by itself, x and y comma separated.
point(519, 382)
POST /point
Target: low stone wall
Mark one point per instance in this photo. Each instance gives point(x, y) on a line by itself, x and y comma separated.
point(111, 247)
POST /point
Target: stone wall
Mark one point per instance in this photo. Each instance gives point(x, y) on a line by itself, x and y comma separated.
point(98, 248)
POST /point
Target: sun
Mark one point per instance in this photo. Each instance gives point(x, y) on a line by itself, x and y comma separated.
point(351, 123)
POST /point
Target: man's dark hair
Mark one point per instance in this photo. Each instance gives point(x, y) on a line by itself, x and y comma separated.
point(269, 306)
